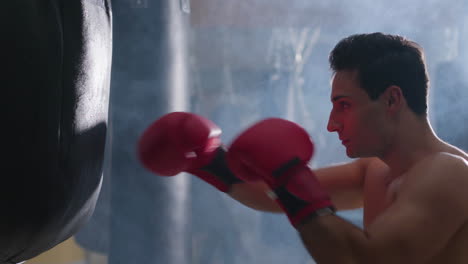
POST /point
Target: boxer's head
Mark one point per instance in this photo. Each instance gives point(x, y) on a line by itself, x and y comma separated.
point(376, 77)
point(381, 61)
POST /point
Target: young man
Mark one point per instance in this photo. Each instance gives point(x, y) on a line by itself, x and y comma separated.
point(411, 184)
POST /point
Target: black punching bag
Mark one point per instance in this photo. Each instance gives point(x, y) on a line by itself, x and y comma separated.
point(56, 57)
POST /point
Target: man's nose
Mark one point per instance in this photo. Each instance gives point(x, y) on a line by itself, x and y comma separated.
point(333, 125)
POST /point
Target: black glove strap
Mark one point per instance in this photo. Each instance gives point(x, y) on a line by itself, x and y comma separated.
point(218, 167)
point(290, 202)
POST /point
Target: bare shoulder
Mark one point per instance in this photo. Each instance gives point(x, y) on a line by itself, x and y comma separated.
point(375, 170)
point(454, 151)
point(442, 168)
point(375, 166)
point(444, 162)
point(374, 163)
point(442, 176)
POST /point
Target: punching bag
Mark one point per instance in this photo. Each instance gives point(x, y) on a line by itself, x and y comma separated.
point(56, 57)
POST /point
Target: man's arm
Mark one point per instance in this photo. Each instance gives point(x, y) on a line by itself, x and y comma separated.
point(344, 182)
point(430, 208)
point(182, 141)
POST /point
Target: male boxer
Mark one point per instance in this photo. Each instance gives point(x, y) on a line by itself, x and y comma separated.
point(411, 184)
point(55, 82)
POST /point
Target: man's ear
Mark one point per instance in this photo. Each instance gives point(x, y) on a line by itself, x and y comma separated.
point(394, 98)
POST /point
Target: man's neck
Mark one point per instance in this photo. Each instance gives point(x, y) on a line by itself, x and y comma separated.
point(412, 142)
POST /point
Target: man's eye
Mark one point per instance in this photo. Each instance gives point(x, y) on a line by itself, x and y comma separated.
point(344, 105)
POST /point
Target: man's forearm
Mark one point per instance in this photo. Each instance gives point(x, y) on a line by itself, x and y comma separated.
point(331, 239)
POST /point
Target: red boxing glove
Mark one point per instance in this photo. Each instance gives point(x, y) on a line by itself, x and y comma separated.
point(278, 151)
point(185, 142)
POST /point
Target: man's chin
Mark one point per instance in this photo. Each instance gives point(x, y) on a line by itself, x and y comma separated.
point(351, 154)
point(354, 154)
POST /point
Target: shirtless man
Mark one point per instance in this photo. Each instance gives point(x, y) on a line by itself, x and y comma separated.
point(412, 185)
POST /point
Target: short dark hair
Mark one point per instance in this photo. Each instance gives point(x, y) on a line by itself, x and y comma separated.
point(382, 60)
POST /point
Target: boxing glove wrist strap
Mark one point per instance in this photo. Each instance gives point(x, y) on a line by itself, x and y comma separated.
point(297, 209)
point(297, 190)
point(217, 172)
